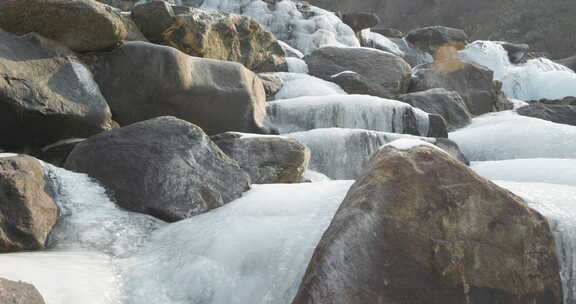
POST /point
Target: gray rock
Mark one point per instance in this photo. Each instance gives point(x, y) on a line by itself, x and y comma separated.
point(447, 104)
point(564, 114)
point(569, 62)
point(419, 227)
point(360, 21)
point(57, 152)
point(267, 159)
point(12, 292)
point(431, 39)
point(473, 82)
point(272, 84)
point(386, 74)
point(142, 81)
point(153, 18)
point(340, 153)
point(352, 83)
point(516, 52)
point(45, 94)
point(81, 25)
point(389, 32)
point(27, 209)
point(164, 167)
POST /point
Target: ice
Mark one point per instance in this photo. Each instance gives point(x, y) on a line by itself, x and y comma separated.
point(298, 85)
point(85, 78)
point(412, 55)
point(536, 170)
point(536, 79)
point(66, 277)
point(7, 155)
point(253, 250)
point(296, 65)
point(89, 220)
point(303, 27)
point(558, 204)
point(340, 153)
point(517, 103)
point(381, 42)
point(313, 176)
point(290, 50)
point(507, 135)
point(346, 111)
point(409, 143)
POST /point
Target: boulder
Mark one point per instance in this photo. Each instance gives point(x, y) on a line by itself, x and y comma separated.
point(272, 84)
point(81, 25)
point(431, 39)
point(387, 75)
point(153, 18)
point(124, 5)
point(45, 94)
point(142, 81)
point(165, 167)
point(57, 152)
point(420, 227)
point(516, 52)
point(133, 32)
point(267, 159)
point(228, 37)
point(569, 62)
point(360, 21)
point(388, 32)
point(339, 153)
point(352, 83)
point(558, 113)
point(12, 292)
point(447, 104)
point(473, 82)
point(27, 209)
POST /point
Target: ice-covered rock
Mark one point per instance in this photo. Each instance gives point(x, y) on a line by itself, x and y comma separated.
point(296, 65)
point(507, 135)
point(300, 85)
point(254, 250)
point(534, 170)
point(558, 113)
point(380, 42)
point(537, 78)
point(347, 111)
point(340, 153)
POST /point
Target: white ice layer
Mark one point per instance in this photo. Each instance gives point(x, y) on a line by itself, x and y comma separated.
point(507, 135)
point(66, 277)
point(341, 153)
point(381, 42)
point(345, 111)
point(305, 28)
point(296, 65)
point(298, 85)
point(535, 170)
point(409, 143)
point(536, 79)
point(558, 204)
point(253, 250)
point(89, 220)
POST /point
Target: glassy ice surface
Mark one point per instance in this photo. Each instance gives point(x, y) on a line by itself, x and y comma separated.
point(253, 250)
point(507, 135)
point(299, 85)
point(535, 170)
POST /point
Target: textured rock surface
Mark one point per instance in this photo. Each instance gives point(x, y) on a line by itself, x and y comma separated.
point(473, 82)
point(544, 25)
point(142, 81)
point(430, 39)
point(164, 167)
point(27, 210)
point(81, 25)
point(447, 104)
point(19, 293)
point(153, 18)
point(360, 21)
point(424, 228)
point(564, 114)
point(386, 75)
point(46, 95)
point(267, 159)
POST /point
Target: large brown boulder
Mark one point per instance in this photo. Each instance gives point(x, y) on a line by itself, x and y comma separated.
point(384, 74)
point(27, 210)
point(165, 167)
point(46, 94)
point(420, 227)
point(213, 35)
point(473, 82)
point(545, 25)
point(267, 159)
point(81, 25)
point(142, 81)
point(431, 39)
point(19, 293)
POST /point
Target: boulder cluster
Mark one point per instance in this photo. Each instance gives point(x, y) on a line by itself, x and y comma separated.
point(173, 109)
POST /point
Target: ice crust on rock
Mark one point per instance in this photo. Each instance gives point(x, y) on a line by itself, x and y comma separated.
point(507, 135)
point(296, 65)
point(345, 111)
point(299, 85)
point(536, 79)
